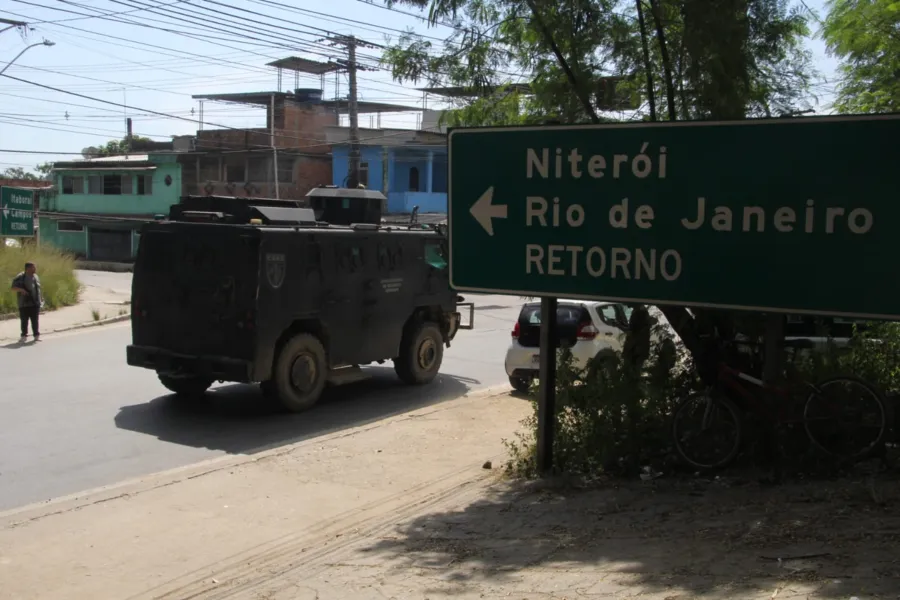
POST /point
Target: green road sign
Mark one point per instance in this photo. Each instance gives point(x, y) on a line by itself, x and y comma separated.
point(16, 212)
point(795, 215)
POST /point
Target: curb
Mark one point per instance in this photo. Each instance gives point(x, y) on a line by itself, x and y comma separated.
point(9, 316)
point(16, 517)
point(116, 319)
point(109, 321)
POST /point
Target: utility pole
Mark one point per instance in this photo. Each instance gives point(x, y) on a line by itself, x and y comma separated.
point(351, 43)
point(353, 110)
point(129, 136)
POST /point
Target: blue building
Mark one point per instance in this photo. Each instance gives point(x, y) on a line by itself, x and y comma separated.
point(407, 166)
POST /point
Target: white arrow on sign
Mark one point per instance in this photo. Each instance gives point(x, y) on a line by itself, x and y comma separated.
point(485, 212)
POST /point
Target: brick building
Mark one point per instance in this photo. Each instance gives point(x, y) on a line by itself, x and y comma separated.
point(242, 162)
point(294, 142)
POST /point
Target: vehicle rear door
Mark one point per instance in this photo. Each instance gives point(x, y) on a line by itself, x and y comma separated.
point(194, 290)
point(569, 316)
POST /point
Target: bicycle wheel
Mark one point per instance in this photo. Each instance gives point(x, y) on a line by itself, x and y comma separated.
point(711, 441)
point(846, 418)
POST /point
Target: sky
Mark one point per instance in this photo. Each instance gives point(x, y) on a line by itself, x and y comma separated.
point(155, 54)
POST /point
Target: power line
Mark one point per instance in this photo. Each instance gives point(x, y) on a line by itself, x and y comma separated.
point(194, 36)
point(162, 114)
point(163, 49)
point(326, 16)
point(83, 18)
point(8, 151)
point(85, 130)
point(146, 110)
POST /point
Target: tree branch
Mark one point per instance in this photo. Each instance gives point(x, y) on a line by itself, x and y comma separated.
point(570, 75)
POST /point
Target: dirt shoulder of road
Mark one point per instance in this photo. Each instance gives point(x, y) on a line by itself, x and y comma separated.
point(404, 508)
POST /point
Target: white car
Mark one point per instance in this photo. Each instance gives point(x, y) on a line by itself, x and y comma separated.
point(584, 327)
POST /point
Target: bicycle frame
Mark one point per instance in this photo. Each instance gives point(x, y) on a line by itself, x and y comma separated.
point(737, 384)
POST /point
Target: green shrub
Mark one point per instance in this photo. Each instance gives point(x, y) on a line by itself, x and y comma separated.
point(612, 416)
point(56, 270)
point(872, 354)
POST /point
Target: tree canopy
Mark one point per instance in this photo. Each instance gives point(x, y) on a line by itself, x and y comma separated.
point(865, 35)
point(42, 173)
point(721, 59)
point(112, 147)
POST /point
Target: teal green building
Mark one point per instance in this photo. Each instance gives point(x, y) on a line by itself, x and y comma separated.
point(97, 206)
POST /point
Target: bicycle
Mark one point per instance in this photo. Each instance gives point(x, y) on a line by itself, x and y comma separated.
point(828, 425)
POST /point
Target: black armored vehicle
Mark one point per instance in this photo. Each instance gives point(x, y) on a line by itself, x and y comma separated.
point(247, 290)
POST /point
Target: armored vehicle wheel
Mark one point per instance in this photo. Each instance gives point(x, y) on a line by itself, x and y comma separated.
point(301, 372)
point(185, 385)
point(421, 353)
point(268, 389)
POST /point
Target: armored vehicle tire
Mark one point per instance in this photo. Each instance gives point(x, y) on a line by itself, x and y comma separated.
point(268, 389)
point(185, 385)
point(300, 372)
point(421, 354)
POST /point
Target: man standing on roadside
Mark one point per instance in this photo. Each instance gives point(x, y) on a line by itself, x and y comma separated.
point(27, 286)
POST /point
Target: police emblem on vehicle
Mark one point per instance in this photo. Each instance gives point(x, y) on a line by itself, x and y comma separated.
point(276, 266)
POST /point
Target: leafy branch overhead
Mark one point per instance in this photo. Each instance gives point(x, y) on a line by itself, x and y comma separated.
point(709, 58)
point(865, 35)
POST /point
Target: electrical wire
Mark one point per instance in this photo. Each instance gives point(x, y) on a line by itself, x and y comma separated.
point(329, 54)
point(162, 114)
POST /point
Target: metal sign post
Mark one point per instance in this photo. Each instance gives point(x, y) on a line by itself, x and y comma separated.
point(547, 397)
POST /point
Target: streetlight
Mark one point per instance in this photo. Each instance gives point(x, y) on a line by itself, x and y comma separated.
point(24, 50)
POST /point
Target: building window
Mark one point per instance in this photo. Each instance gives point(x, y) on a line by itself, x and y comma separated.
point(69, 226)
point(209, 169)
point(145, 185)
point(414, 179)
point(127, 184)
point(112, 185)
point(285, 169)
point(72, 185)
point(364, 173)
point(235, 169)
point(259, 169)
point(95, 184)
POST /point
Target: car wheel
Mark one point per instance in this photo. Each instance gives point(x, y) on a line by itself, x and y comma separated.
point(185, 385)
point(520, 384)
point(421, 354)
point(300, 372)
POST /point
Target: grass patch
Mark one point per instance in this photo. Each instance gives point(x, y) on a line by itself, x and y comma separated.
point(55, 268)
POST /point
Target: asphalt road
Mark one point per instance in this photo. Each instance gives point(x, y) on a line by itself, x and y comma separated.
point(105, 283)
point(75, 416)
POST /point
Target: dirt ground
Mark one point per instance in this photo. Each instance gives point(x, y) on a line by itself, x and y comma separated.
point(405, 509)
point(704, 539)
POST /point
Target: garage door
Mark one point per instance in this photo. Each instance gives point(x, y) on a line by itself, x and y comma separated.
point(110, 245)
